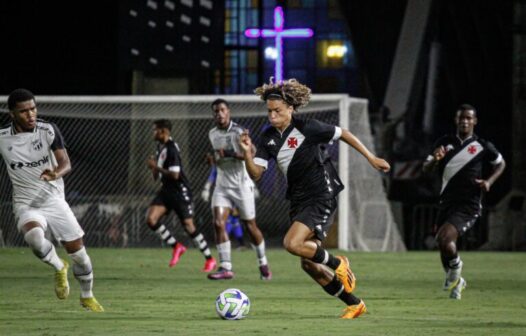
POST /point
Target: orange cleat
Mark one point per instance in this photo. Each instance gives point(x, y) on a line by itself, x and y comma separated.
point(354, 311)
point(345, 275)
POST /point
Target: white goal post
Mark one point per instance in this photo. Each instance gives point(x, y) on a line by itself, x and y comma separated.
point(109, 138)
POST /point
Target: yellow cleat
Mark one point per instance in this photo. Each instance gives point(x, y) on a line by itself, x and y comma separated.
point(345, 275)
point(91, 304)
point(354, 311)
point(456, 292)
point(61, 282)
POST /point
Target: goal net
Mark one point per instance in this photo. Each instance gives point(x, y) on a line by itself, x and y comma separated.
point(109, 189)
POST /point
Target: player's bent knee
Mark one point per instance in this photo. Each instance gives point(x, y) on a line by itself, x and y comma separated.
point(151, 221)
point(81, 257)
point(35, 239)
point(219, 224)
point(291, 246)
point(441, 239)
point(447, 234)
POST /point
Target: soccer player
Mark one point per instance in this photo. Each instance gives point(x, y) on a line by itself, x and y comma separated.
point(174, 195)
point(233, 188)
point(459, 159)
point(233, 224)
point(36, 160)
point(299, 148)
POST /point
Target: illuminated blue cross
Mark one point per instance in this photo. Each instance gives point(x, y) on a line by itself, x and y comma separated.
point(279, 33)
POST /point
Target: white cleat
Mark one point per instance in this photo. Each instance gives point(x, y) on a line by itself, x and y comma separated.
point(452, 277)
point(456, 292)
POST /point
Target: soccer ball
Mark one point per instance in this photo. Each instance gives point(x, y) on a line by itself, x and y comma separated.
point(232, 304)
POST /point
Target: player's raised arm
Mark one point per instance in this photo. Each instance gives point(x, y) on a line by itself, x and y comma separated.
point(255, 171)
point(431, 162)
point(353, 141)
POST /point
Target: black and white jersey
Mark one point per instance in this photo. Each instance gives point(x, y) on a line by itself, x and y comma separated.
point(169, 158)
point(26, 156)
point(231, 172)
point(300, 152)
point(461, 165)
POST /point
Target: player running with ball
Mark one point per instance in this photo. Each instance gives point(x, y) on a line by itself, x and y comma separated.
point(299, 148)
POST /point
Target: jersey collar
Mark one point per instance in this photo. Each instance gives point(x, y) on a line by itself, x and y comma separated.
point(289, 127)
point(14, 132)
point(472, 137)
point(228, 128)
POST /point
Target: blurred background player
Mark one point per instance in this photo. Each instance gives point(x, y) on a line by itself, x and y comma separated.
point(459, 159)
point(233, 189)
point(36, 159)
point(175, 194)
point(233, 224)
point(299, 148)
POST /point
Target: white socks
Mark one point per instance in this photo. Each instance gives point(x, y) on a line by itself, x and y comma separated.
point(225, 258)
point(260, 251)
point(83, 272)
point(43, 248)
point(223, 250)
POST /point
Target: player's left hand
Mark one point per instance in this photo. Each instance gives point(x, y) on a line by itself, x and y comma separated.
point(380, 164)
point(483, 184)
point(48, 175)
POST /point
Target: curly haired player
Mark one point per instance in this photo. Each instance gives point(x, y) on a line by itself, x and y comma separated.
point(299, 148)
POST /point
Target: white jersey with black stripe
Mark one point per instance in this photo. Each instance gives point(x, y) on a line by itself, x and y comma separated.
point(26, 156)
point(231, 172)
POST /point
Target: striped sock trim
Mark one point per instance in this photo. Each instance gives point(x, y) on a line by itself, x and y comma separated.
point(165, 235)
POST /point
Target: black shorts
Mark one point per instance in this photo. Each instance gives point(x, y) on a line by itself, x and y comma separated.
point(181, 204)
point(318, 215)
point(462, 216)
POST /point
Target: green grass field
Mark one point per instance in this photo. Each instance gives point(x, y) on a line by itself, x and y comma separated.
point(142, 296)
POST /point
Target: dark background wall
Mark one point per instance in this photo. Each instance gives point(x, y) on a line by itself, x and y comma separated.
point(61, 47)
point(79, 48)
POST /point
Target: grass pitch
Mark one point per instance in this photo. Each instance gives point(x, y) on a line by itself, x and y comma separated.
point(142, 296)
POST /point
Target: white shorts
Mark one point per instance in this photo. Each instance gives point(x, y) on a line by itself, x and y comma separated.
point(56, 214)
point(241, 198)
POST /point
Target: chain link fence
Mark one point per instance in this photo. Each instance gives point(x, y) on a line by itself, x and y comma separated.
point(109, 189)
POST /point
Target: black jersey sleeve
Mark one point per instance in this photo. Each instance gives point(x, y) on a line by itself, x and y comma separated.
point(173, 158)
point(319, 132)
point(493, 156)
point(442, 141)
point(56, 139)
point(262, 156)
